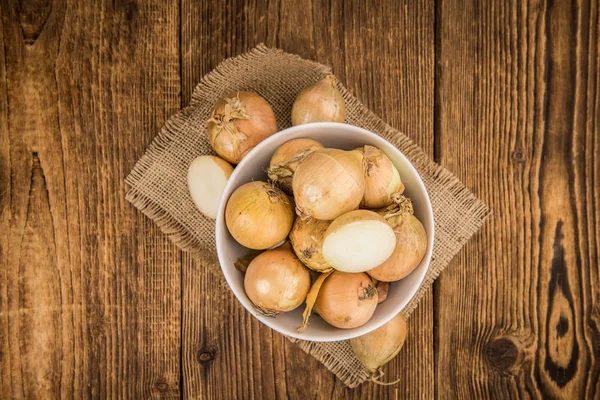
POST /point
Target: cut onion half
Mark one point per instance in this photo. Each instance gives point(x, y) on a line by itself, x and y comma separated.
point(358, 241)
point(207, 176)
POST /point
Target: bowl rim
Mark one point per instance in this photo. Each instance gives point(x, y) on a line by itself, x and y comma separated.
point(351, 333)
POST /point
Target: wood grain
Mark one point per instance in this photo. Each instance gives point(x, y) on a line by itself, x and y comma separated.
point(89, 296)
point(518, 103)
point(95, 302)
point(383, 52)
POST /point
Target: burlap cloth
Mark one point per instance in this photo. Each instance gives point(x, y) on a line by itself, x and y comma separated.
point(159, 186)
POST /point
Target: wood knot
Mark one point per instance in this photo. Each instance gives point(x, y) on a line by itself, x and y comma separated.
point(205, 356)
point(160, 386)
point(503, 354)
point(518, 156)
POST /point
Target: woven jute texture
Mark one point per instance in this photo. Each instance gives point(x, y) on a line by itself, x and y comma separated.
point(159, 187)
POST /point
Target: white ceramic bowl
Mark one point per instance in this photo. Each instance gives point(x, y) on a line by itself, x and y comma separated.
point(341, 136)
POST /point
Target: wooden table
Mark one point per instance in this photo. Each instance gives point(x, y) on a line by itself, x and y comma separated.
point(95, 302)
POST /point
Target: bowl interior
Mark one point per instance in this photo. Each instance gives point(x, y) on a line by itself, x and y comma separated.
point(344, 137)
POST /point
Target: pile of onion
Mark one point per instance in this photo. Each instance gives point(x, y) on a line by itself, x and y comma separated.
point(276, 281)
point(411, 241)
point(259, 215)
point(307, 240)
point(320, 102)
point(382, 179)
point(238, 123)
point(378, 347)
point(286, 159)
point(329, 183)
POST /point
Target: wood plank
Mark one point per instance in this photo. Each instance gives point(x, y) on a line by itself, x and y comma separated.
point(518, 98)
point(383, 52)
point(90, 289)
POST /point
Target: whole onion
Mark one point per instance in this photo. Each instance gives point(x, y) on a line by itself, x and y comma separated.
point(346, 300)
point(378, 347)
point(329, 183)
point(411, 242)
point(382, 179)
point(307, 240)
point(320, 102)
point(259, 215)
point(276, 281)
point(286, 159)
point(238, 123)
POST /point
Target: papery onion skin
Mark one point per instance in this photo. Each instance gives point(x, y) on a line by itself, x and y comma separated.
point(307, 240)
point(382, 291)
point(382, 179)
point(346, 300)
point(259, 215)
point(378, 347)
point(411, 246)
point(320, 102)
point(286, 159)
point(239, 122)
point(329, 183)
point(276, 281)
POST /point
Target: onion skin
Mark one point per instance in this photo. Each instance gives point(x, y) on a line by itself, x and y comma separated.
point(328, 183)
point(411, 246)
point(276, 281)
point(346, 300)
point(377, 348)
point(286, 159)
point(259, 215)
point(382, 291)
point(238, 123)
point(382, 179)
point(320, 102)
point(307, 240)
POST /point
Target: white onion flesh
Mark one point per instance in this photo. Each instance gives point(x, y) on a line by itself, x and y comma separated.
point(358, 241)
point(207, 177)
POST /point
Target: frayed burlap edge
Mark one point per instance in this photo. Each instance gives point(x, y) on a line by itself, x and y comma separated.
point(336, 356)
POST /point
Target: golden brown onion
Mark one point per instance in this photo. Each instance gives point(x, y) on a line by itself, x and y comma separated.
point(346, 300)
point(411, 242)
point(320, 102)
point(286, 158)
point(238, 123)
point(259, 215)
point(276, 281)
point(307, 239)
point(328, 183)
point(378, 347)
point(382, 179)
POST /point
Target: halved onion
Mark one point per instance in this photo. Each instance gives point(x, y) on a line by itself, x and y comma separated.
point(377, 348)
point(411, 242)
point(276, 281)
point(238, 123)
point(358, 241)
point(328, 183)
point(307, 240)
point(286, 158)
point(346, 300)
point(259, 215)
point(382, 179)
point(207, 176)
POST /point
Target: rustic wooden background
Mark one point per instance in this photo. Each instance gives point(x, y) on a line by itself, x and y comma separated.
point(95, 302)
